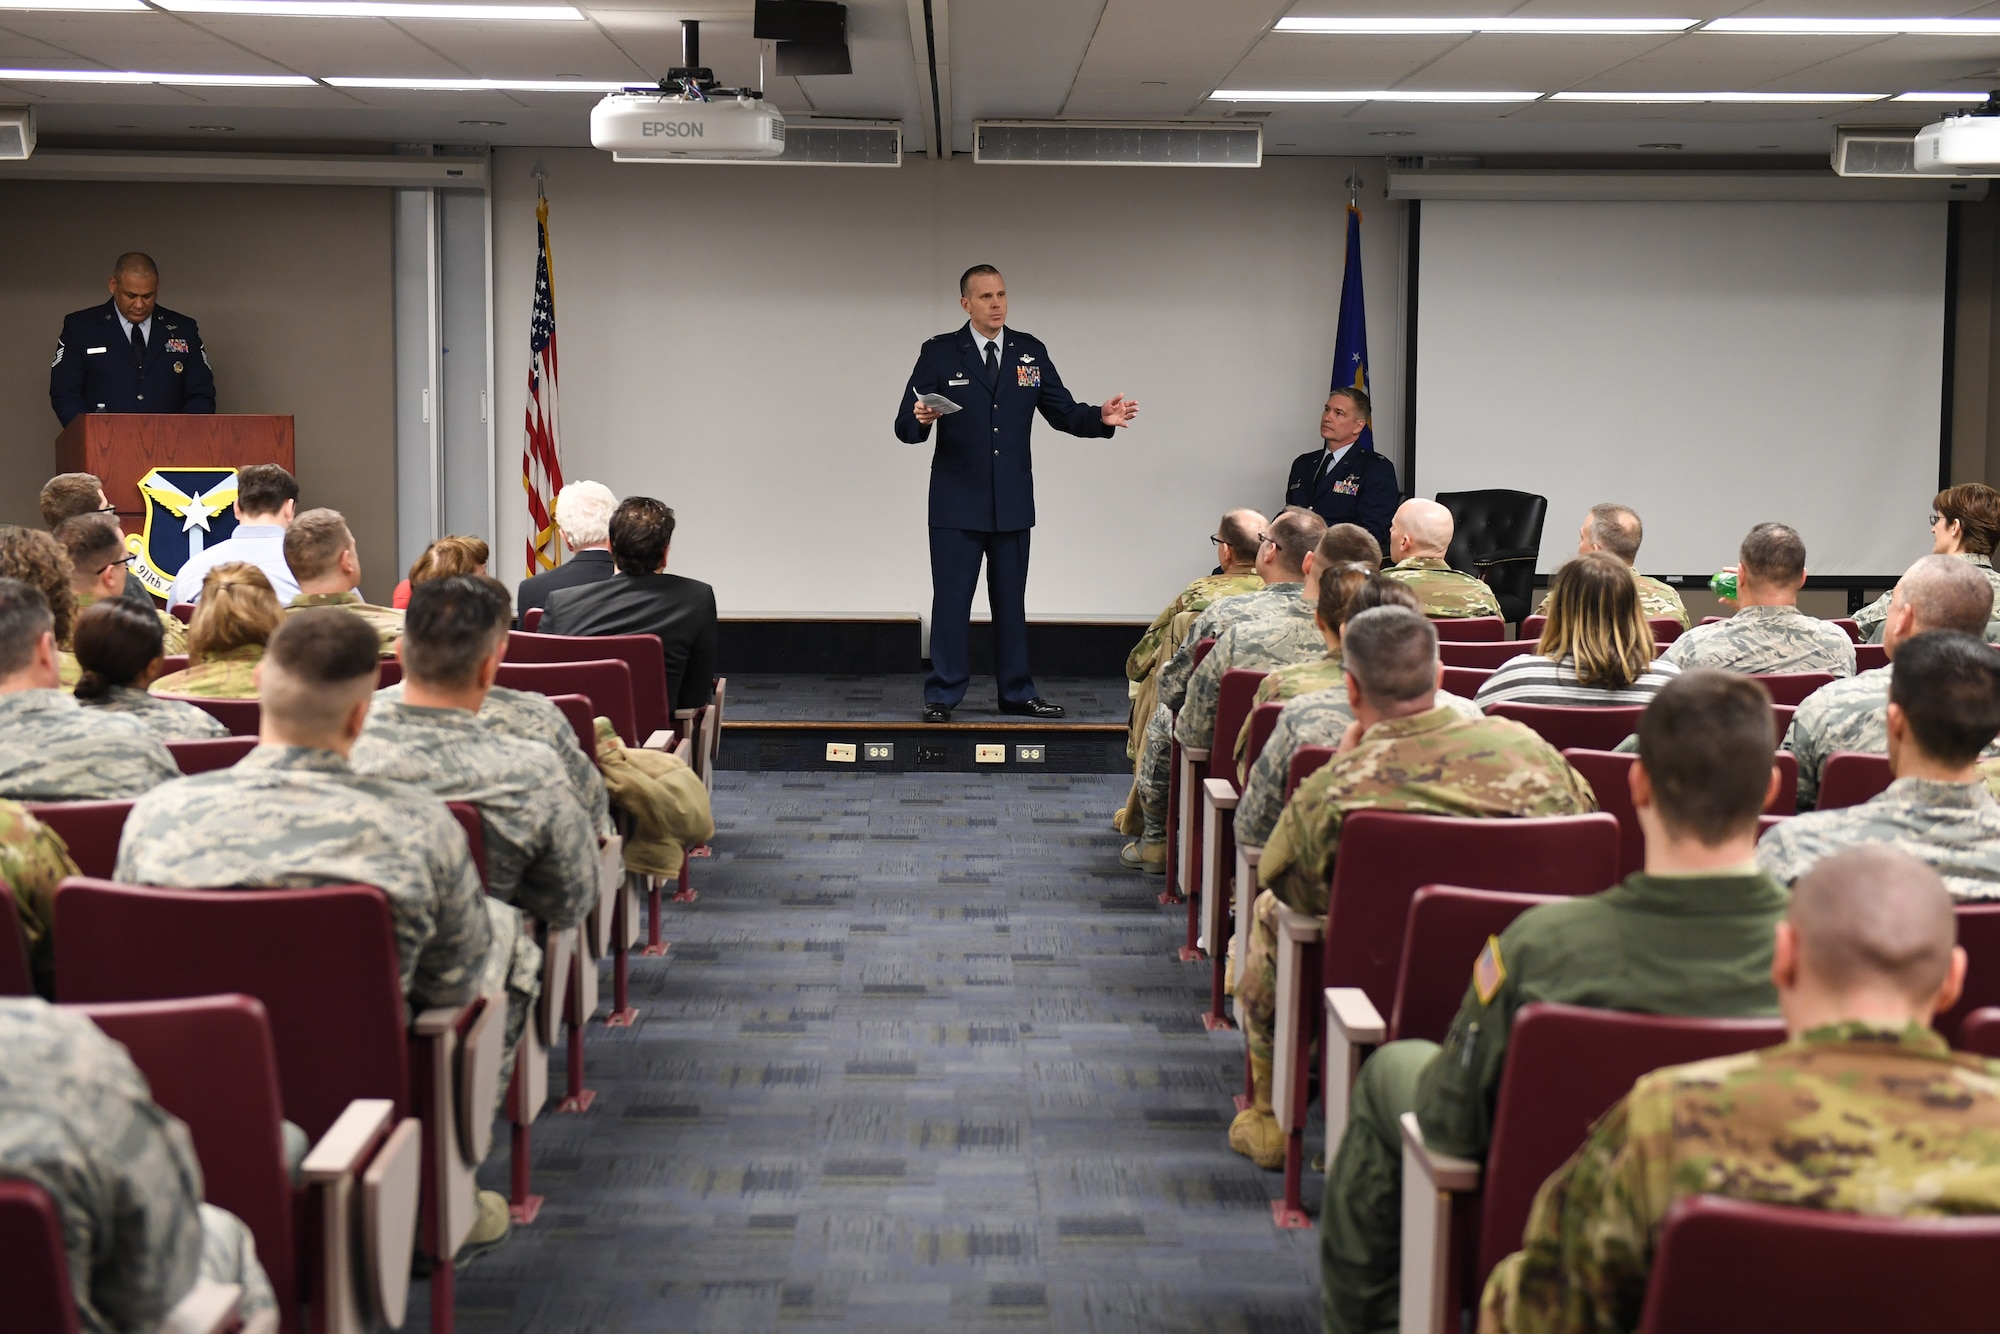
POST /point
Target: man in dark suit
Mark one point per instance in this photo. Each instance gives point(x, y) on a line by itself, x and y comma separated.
point(1341, 482)
point(583, 512)
point(982, 498)
point(129, 354)
point(643, 599)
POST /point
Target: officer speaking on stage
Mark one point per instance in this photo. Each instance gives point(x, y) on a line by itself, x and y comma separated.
point(130, 355)
point(1344, 481)
point(982, 497)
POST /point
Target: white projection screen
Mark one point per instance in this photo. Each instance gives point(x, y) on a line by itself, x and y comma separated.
point(1713, 365)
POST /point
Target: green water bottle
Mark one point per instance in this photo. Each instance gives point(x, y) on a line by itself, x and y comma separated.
point(1723, 584)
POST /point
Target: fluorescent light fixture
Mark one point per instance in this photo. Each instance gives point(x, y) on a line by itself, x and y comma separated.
point(376, 9)
point(74, 5)
point(1380, 95)
point(488, 85)
point(1773, 99)
point(1968, 99)
point(133, 76)
point(1772, 27)
point(1407, 26)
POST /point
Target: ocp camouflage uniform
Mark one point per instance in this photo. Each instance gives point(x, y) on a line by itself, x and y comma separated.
point(1872, 618)
point(1850, 1118)
point(1955, 827)
point(1844, 715)
point(173, 631)
point(78, 1120)
point(289, 817)
point(33, 861)
point(1660, 600)
point(1283, 683)
point(1144, 659)
point(230, 674)
point(386, 622)
point(1695, 945)
point(1318, 719)
point(1758, 640)
point(167, 719)
point(1286, 636)
point(53, 749)
point(1445, 593)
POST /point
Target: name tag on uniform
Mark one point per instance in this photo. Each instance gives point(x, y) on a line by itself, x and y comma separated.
point(92, 351)
point(1347, 486)
point(1028, 377)
point(961, 380)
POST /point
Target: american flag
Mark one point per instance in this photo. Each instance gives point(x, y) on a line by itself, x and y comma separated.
point(541, 452)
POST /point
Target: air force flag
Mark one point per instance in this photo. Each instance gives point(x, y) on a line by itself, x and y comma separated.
point(187, 510)
point(1350, 339)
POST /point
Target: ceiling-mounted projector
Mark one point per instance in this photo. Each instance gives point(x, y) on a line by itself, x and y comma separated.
point(1963, 145)
point(688, 118)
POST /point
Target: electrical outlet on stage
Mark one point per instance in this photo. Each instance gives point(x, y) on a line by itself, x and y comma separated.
point(878, 751)
point(840, 752)
point(989, 754)
point(930, 754)
point(1031, 754)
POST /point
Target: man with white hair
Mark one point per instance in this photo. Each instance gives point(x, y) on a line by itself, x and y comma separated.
point(583, 512)
point(1419, 536)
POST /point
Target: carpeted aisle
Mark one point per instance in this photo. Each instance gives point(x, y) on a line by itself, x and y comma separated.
point(920, 1059)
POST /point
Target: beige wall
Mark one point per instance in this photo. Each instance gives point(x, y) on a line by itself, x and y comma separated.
point(291, 286)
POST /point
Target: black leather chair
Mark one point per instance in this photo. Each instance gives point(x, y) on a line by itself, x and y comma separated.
point(1497, 537)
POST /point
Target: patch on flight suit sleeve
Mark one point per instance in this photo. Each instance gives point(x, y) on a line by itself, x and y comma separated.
point(1488, 972)
point(1028, 377)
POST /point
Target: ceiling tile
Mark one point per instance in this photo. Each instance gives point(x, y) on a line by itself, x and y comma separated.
point(321, 47)
point(139, 41)
point(1190, 45)
point(1545, 63)
point(1312, 60)
point(1016, 59)
point(526, 51)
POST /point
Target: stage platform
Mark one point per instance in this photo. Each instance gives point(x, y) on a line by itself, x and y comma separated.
point(788, 721)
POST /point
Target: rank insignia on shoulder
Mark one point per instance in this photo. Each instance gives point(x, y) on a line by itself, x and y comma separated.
point(1028, 377)
point(1488, 971)
point(177, 345)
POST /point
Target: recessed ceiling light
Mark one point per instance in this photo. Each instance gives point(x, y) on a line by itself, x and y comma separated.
point(72, 4)
point(1406, 26)
point(483, 124)
point(1769, 98)
point(1967, 98)
point(377, 9)
point(1663, 148)
point(1382, 95)
point(484, 85)
point(215, 129)
point(133, 76)
point(1390, 134)
point(1774, 27)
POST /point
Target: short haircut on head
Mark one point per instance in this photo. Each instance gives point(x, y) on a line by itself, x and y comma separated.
point(1947, 684)
point(977, 270)
point(135, 261)
point(1706, 741)
point(1349, 544)
point(1595, 620)
point(1238, 531)
point(451, 625)
point(1337, 586)
point(453, 554)
point(1773, 554)
point(1379, 590)
point(1296, 532)
point(67, 495)
point(641, 530)
point(263, 488)
point(92, 541)
point(36, 558)
point(1616, 528)
point(1872, 916)
point(1356, 395)
point(1976, 509)
point(237, 609)
point(1392, 652)
point(114, 643)
point(24, 619)
point(319, 664)
point(314, 542)
point(1947, 593)
point(583, 512)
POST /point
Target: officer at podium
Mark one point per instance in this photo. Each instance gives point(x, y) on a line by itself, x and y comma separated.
point(130, 355)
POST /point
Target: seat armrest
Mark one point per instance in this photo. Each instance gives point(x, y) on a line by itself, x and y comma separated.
point(436, 1022)
point(1300, 927)
point(684, 752)
point(1251, 853)
point(208, 1308)
point(1195, 754)
point(348, 1142)
point(1507, 555)
point(1353, 1027)
point(688, 715)
point(1220, 793)
point(1428, 1304)
point(1353, 1017)
point(663, 739)
point(1440, 1171)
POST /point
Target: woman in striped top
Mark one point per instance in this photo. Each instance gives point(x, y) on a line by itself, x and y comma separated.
point(1596, 650)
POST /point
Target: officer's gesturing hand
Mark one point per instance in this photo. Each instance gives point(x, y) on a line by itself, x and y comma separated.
point(925, 414)
point(1118, 412)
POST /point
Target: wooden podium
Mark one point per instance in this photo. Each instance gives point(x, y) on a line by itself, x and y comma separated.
point(120, 447)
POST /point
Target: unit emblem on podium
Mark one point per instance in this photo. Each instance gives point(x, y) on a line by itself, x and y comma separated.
point(187, 509)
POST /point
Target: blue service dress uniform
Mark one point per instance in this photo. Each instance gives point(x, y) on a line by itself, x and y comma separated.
point(1360, 489)
point(95, 369)
point(982, 496)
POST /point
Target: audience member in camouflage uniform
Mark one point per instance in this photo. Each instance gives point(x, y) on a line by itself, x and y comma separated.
point(51, 748)
point(1403, 752)
point(117, 649)
point(1284, 554)
point(98, 570)
point(1769, 633)
point(1616, 529)
point(320, 550)
point(77, 1119)
point(1419, 536)
point(1936, 593)
point(1944, 709)
point(1965, 522)
point(232, 623)
point(1862, 1110)
point(33, 861)
point(1689, 935)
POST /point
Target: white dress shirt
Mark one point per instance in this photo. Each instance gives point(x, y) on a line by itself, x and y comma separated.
point(1329, 463)
point(980, 340)
point(259, 544)
point(144, 326)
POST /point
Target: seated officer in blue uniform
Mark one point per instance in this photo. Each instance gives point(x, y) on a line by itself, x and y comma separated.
point(130, 355)
point(982, 498)
point(1342, 482)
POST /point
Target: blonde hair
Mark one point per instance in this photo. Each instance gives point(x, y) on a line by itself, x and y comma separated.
point(449, 556)
point(237, 608)
point(1595, 620)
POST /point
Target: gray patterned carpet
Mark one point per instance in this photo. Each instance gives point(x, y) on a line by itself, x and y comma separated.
point(920, 1059)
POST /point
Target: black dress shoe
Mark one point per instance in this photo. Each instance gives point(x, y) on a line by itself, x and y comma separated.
point(1034, 708)
point(936, 713)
